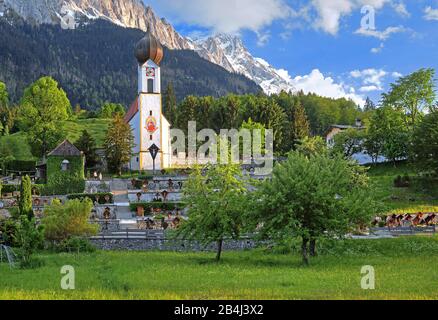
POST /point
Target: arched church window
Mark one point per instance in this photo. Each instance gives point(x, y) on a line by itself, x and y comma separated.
point(65, 165)
point(150, 85)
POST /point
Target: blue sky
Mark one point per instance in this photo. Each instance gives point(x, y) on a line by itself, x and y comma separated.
point(322, 45)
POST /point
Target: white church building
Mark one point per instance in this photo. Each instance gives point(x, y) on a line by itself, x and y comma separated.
point(145, 116)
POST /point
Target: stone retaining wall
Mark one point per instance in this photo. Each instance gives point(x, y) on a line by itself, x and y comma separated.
point(168, 245)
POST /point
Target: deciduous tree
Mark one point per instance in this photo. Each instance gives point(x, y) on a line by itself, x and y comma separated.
point(313, 196)
point(215, 203)
point(43, 108)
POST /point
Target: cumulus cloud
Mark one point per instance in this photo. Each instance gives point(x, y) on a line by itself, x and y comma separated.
point(225, 16)
point(331, 12)
point(401, 9)
point(430, 13)
point(381, 35)
point(371, 78)
point(317, 82)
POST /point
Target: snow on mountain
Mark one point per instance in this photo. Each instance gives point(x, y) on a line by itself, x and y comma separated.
point(224, 50)
point(230, 52)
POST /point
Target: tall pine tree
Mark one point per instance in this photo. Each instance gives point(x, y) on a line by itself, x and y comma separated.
point(118, 144)
point(25, 203)
point(87, 145)
point(170, 104)
point(300, 124)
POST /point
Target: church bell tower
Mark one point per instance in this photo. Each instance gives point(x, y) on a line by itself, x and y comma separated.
point(150, 127)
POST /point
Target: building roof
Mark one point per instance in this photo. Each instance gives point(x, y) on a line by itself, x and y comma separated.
point(65, 149)
point(149, 48)
point(132, 111)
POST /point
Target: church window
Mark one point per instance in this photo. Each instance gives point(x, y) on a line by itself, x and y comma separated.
point(65, 165)
point(150, 85)
point(150, 113)
point(151, 137)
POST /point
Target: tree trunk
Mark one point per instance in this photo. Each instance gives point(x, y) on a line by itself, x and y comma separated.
point(313, 252)
point(304, 251)
point(219, 250)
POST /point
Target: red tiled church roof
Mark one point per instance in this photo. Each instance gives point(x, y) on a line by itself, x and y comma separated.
point(132, 111)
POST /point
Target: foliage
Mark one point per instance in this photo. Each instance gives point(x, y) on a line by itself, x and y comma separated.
point(300, 127)
point(6, 156)
point(387, 135)
point(95, 63)
point(28, 237)
point(215, 204)
point(75, 245)
point(118, 144)
point(312, 146)
point(61, 182)
point(25, 202)
point(93, 197)
point(7, 114)
point(21, 165)
point(349, 142)
point(43, 107)
point(8, 229)
point(313, 197)
point(87, 145)
point(63, 222)
point(425, 143)
point(109, 110)
point(412, 94)
point(254, 127)
point(170, 104)
point(369, 105)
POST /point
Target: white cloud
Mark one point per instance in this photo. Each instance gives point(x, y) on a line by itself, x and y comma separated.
point(381, 35)
point(430, 13)
point(401, 9)
point(372, 79)
point(331, 11)
point(396, 75)
point(227, 16)
point(316, 82)
point(378, 49)
point(369, 88)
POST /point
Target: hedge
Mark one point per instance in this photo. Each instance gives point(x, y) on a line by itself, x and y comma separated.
point(21, 165)
point(92, 197)
point(10, 188)
point(156, 205)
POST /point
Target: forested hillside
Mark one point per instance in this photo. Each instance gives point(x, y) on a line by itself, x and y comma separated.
point(95, 63)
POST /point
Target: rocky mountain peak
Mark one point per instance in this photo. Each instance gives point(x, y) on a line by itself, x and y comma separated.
point(225, 50)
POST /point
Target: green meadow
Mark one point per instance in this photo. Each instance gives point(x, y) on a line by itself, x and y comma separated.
point(405, 269)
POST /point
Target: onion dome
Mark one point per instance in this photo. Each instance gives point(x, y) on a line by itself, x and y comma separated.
point(149, 48)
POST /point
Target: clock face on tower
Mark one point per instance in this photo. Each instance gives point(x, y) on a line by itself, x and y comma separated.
point(150, 72)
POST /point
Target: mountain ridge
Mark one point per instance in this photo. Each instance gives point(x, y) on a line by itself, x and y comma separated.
point(226, 51)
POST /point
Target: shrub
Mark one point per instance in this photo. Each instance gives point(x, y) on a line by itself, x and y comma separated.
point(25, 203)
point(62, 222)
point(402, 182)
point(28, 237)
point(75, 244)
point(92, 196)
point(8, 229)
point(21, 165)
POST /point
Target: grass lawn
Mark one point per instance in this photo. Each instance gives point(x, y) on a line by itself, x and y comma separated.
point(96, 127)
point(419, 197)
point(405, 269)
